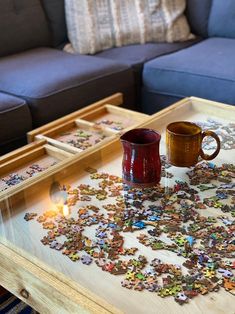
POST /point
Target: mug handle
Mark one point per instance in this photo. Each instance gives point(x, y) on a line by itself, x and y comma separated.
point(216, 152)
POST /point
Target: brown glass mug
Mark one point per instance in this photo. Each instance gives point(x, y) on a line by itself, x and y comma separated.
point(184, 141)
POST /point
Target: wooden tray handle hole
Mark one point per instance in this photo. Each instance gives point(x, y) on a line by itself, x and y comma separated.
point(24, 293)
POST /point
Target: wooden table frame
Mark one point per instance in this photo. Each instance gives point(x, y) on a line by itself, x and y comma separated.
point(48, 291)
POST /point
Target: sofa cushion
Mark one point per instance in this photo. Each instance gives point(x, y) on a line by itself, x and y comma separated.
point(204, 70)
point(23, 26)
point(198, 12)
point(15, 118)
point(136, 55)
point(56, 16)
point(55, 83)
point(222, 19)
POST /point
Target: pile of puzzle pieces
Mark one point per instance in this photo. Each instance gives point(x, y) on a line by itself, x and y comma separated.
point(205, 243)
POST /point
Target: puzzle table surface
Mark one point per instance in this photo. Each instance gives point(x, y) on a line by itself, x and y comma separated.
point(54, 275)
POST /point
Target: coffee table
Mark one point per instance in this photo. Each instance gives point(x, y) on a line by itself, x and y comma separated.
point(52, 282)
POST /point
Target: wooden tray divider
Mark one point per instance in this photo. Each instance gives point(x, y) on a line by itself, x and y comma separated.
point(94, 127)
point(58, 144)
point(20, 151)
point(84, 123)
point(126, 112)
point(57, 153)
point(59, 129)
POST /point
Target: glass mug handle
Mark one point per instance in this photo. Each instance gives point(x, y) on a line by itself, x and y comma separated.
point(216, 152)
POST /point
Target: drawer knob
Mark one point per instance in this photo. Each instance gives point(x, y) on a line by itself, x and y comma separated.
point(24, 293)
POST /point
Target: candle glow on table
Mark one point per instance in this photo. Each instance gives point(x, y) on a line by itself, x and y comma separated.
point(65, 210)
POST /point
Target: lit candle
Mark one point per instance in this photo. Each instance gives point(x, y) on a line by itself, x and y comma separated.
point(65, 210)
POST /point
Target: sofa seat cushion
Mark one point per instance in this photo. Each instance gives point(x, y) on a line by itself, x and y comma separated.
point(55, 83)
point(204, 70)
point(136, 55)
point(15, 118)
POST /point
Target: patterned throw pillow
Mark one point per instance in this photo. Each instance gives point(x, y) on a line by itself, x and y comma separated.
point(96, 25)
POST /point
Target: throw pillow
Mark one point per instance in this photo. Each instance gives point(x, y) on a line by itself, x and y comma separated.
point(96, 25)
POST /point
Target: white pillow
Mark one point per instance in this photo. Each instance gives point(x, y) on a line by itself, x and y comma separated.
point(96, 25)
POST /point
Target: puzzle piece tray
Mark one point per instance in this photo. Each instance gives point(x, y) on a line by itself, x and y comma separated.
point(25, 165)
point(86, 287)
point(90, 127)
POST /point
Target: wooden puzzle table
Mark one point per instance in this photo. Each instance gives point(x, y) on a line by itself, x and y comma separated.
point(51, 282)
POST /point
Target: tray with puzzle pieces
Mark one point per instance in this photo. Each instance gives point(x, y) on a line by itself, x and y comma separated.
point(25, 165)
point(90, 127)
point(144, 249)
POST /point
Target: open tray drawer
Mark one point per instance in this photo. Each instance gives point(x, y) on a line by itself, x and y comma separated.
point(90, 127)
point(115, 118)
point(92, 130)
point(25, 165)
point(114, 100)
point(76, 174)
point(77, 136)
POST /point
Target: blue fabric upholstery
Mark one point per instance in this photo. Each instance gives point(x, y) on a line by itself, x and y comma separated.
point(136, 55)
point(56, 16)
point(15, 118)
point(204, 70)
point(23, 26)
point(222, 19)
point(198, 12)
point(152, 102)
point(55, 83)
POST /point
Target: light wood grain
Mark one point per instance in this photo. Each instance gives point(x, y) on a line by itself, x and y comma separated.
point(68, 148)
point(20, 151)
point(115, 100)
point(18, 274)
point(57, 153)
point(118, 111)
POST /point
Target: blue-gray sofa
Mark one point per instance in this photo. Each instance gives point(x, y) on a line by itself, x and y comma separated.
point(39, 82)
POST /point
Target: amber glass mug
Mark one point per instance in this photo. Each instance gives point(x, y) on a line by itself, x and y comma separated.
point(184, 143)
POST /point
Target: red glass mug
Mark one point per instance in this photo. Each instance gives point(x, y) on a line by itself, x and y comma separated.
point(141, 165)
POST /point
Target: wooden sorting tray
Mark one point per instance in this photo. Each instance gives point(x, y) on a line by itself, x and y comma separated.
point(88, 288)
point(100, 122)
point(77, 136)
point(27, 164)
point(115, 118)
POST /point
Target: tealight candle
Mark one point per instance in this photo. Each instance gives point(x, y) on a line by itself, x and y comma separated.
point(65, 210)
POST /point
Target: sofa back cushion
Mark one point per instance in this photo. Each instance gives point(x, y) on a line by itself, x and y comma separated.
point(23, 26)
point(222, 19)
point(55, 13)
point(198, 12)
point(97, 25)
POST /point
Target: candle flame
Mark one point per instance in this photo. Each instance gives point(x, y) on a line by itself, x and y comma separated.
point(65, 210)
